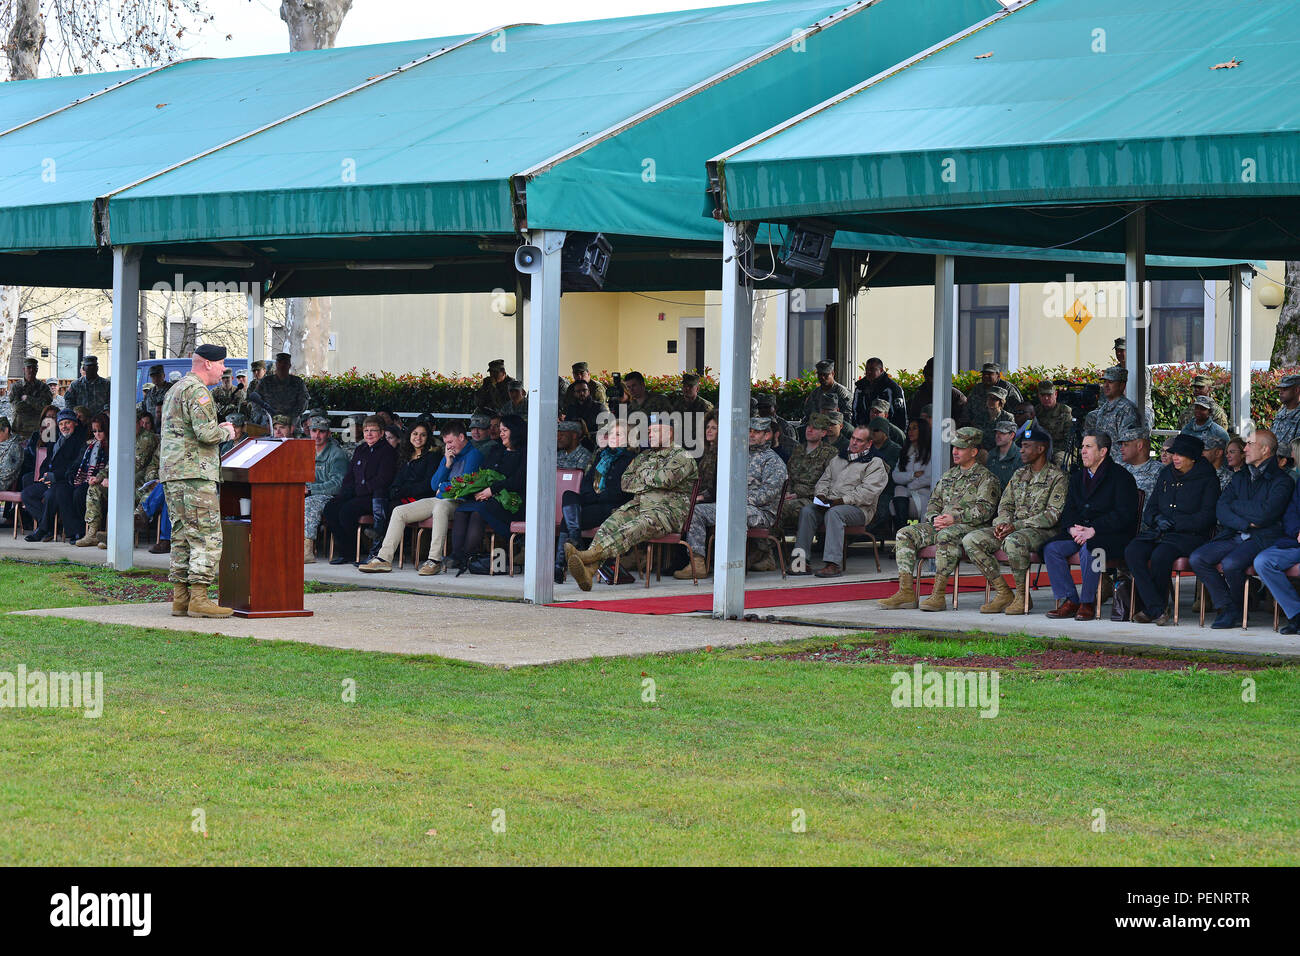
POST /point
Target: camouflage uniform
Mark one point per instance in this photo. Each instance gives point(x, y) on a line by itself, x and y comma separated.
point(1114, 418)
point(1225, 476)
point(1208, 430)
point(189, 469)
point(228, 400)
point(765, 474)
point(805, 468)
point(653, 402)
point(1145, 474)
point(1057, 421)
point(970, 495)
point(1217, 415)
point(977, 401)
point(696, 406)
point(331, 467)
point(843, 401)
point(990, 425)
point(491, 394)
point(11, 461)
point(28, 399)
point(288, 397)
point(146, 470)
point(153, 402)
point(94, 395)
point(1032, 505)
point(579, 458)
point(660, 481)
point(1287, 429)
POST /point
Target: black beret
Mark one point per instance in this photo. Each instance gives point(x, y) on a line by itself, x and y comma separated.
point(213, 353)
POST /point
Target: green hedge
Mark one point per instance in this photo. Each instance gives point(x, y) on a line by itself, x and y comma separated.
point(431, 391)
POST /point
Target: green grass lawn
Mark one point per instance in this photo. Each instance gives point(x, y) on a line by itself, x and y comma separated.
point(257, 736)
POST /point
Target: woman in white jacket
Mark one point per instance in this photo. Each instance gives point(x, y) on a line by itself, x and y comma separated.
point(914, 475)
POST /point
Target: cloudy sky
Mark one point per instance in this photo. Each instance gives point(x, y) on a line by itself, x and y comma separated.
point(255, 25)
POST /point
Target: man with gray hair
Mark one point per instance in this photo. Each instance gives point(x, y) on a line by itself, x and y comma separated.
point(1115, 415)
point(765, 476)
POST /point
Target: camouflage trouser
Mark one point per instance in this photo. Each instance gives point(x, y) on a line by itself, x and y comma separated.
point(947, 542)
point(981, 545)
point(95, 496)
point(638, 521)
point(313, 509)
point(195, 513)
point(706, 516)
point(790, 512)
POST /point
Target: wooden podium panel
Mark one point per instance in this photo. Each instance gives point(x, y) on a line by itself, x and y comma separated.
point(262, 493)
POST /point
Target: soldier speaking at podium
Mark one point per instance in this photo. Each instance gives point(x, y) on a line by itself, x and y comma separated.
point(189, 469)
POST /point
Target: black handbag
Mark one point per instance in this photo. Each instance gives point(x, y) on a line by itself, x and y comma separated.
point(480, 563)
point(606, 574)
point(1119, 602)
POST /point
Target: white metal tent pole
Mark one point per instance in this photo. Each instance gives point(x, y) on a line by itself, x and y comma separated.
point(846, 322)
point(256, 327)
point(945, 337)
point(733, 426)
point(521, 320)
point(121, 406)
point(1135, 308)
point(1239, 291)
point(543, 417)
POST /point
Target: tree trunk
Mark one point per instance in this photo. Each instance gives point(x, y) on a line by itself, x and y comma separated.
point(313, 25)
point(1286, 343)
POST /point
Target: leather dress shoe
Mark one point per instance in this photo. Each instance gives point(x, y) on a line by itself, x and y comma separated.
point(1230, 616)
point(1087, 612)
point(1290, 626)
point(829, 570)
point(1142, 617)
point(1066, 608)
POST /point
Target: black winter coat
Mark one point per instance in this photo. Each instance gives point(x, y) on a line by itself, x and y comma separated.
point(413, 478)
point(1111, 507)
point(1258, 501)
point(63, 466)
point(611, 492)
point(1186, 503)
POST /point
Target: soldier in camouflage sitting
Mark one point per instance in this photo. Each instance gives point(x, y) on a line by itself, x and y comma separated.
point(1057, 419)
point(765, 474)
point(1204, 385)
point(146, 474)
point(1026, 520)
point(806, 466)
point(964, 499)
point(661, 479)
point(994, 412)
point(1137, 458)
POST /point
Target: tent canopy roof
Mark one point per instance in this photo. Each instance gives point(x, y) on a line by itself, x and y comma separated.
point(1087, 106)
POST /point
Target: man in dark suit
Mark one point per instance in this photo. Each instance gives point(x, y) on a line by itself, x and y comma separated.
point(1099, 519)
point(53, 484)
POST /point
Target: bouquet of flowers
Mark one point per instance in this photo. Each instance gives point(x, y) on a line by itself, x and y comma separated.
point(467, 486)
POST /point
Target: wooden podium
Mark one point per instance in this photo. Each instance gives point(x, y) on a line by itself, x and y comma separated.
point(262, 492)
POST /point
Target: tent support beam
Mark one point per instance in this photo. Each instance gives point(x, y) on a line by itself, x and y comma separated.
point(521, 321)
point(256, 327)
point(733, 426)
point(121, 406)
point(1239, 293)
point(945, 335)
point(543, 416)
point(846, 345)
point(1135, 308)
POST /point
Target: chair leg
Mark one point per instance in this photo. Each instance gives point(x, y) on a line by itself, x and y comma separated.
point(649, 549)
point(875, 547)
point(617, 569)
point(956, 584)
point(1200, 590)
point(492, 553)
point(1178, 587)
point(1027, 589)
point(1245, 603)
point(780, 558)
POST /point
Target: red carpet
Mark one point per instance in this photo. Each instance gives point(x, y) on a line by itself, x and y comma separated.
point(768, 597)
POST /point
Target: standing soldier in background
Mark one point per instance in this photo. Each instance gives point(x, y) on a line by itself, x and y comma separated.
point(227, 396)
point(189, 469)
point(285, 393)
point(977, 406)
point(28, 399)
point(154, 394)
point(688, 400)
point(1286, 426)
point(1116, 415)
point(1204, 385)
point(494, 391)
point(1057, 419)
point(1121, 354)
point(964, 499)
point(827, 390)
point(89, 390)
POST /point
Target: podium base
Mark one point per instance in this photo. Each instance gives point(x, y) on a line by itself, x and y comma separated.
point(240, 612)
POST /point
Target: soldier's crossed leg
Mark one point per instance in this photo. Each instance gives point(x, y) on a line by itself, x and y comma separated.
point(628, 527)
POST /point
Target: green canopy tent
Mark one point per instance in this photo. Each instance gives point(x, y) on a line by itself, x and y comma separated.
point(1167, 126)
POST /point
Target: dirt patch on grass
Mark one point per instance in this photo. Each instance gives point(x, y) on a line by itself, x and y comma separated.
point(143, 587)
point(1047, 659)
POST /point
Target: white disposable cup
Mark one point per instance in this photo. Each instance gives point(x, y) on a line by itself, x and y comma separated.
point(245, 506)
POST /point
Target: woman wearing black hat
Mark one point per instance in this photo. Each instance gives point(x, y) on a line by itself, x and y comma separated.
point(1179, 518)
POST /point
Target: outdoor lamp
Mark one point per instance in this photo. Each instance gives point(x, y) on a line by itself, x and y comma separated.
point(504, 303)
point(1271, 294)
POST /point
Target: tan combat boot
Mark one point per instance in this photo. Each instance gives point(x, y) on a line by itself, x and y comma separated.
point(938, 599)
point(694, 571)
point(1000, 599)
point(905, 597)
point(581, 562)
point(89, 540)
point(203, 606)
point(308, 551)
point(1017, 605)
point(180, 599)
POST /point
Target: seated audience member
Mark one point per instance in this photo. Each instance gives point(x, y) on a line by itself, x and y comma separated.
point(569, 451)
point(494, 428)
point(394, 435)
point(708, 463)
point(1057, 418)
point(1214, 454)
point(410, 496)
point(599, 497)
point(370, 472)
point(688, 400)
point(880, 409)
point(1004, 458)
point(660, 481)
point(47, 432)
point(144, 477)
point(766, 474)
point(331, 466)
point(1178, 519)
point(835, 434)
point(884, 447)
point(784, 437)
point(1027, 517)
point(459, 458)
point(94, 460)
point(1250, 514)
point(926, 415)
point(806, 467)
point(1136, 449)
point(1022, 413)
point(914, 475)
point(416, 464)
point(486, 509)
point(11, 456)
point(1273, 562)
point(995, 398)
point(518, 401)
point(1201, 425)
point(282, 426)
point(154, 504)
point(582, 373)
point(1099, 518)
point(1234, 456)
point(1293, 469)
point(964, 499)
point(51, 489)
point(480, 433)
point(238, 421)
point(846, 495)
point(583, 408)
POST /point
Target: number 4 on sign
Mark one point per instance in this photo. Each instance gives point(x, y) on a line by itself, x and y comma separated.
point(1077, 316)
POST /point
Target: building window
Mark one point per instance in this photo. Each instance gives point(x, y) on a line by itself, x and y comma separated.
point(1177, 330)
point(182, 338)
point(18, 350)
point(983, 326)
point(277, 339)
point(67, 361)
point(809, 336)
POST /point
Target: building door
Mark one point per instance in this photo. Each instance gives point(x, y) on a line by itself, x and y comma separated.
point(690, 350)
point(69, 347)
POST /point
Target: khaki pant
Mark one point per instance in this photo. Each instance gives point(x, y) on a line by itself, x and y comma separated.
point(439, 509)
